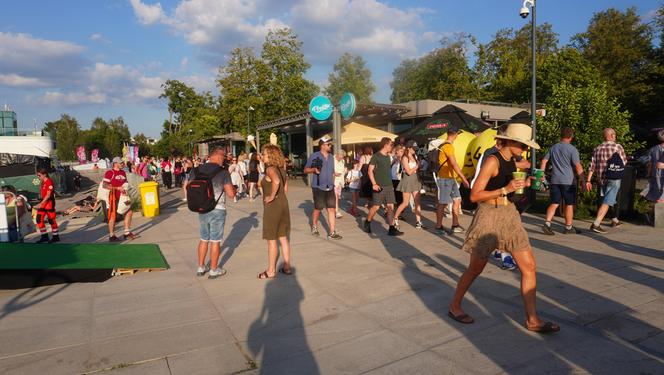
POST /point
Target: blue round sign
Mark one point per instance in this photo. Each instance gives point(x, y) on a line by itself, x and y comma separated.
point(347, 105)
point(320, 108)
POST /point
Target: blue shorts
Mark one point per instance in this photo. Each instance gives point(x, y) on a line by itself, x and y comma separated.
point(610, 191)
point(448, 190)
point(212, 225)
point(558, 193)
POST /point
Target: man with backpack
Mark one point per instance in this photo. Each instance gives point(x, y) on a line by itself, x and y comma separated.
point(448, 190)
point(206, 194)
point(608, 167)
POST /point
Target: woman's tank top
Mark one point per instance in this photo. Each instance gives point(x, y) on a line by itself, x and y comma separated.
point(504, 176)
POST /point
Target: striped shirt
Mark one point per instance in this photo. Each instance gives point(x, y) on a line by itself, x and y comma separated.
point(601, 156)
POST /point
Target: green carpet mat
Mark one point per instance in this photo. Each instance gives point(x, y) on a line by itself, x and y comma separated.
point(16, 256)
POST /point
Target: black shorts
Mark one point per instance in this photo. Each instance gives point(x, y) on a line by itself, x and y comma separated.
point(324, 199)
point(385, 196)
point(560, 192)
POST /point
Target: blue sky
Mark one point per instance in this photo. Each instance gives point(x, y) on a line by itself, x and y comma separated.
point(108, 58)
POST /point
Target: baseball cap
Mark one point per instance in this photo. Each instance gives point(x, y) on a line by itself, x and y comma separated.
point(411, 144)
point(324, 139)
point(117, 159)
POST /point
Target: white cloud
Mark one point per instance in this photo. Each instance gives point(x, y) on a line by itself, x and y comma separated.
point(16, 80)
point(148, 14)
point(327, 27)
point(184, 63)
point(50, 62)
point(72, 99)
point(96, 37)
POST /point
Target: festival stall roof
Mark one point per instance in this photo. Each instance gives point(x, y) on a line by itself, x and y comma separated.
point(354, 133)
point(230, 137)
point(488, 111)
point(449, 115)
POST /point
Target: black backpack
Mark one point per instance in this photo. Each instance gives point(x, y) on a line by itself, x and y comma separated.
point(200, 192)
point(615, 168)
point(433, 158)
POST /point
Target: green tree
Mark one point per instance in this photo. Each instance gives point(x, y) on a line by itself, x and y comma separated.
point(620, 46)
point(504, 64)
point(183, 103)
point(66, 136)
point(287, 90)
point(350, 74)
point(442, 74)
point(243, 83)
point(566, 65)
point(588, 110)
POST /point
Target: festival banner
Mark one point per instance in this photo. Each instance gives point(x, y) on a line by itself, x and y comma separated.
point(80, 154)
point(94, 155)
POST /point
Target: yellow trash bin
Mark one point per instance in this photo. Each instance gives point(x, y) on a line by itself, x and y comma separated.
point(149, 198)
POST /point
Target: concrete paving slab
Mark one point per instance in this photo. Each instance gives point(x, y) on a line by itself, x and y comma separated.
point(157, 367)
point(216, 360)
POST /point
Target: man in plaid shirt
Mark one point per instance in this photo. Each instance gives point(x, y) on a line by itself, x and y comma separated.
point(608, 188)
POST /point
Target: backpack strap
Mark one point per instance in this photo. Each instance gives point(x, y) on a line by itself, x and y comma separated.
point(440, 149)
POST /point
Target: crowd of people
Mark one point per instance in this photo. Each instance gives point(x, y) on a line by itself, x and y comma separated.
point(390, 179)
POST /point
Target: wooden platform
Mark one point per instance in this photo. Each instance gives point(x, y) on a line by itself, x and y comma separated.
point(131, 271)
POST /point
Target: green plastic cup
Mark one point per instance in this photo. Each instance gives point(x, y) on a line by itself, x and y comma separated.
point(519, 176)
point(537, 182)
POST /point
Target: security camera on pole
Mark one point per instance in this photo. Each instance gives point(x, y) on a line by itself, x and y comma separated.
point(321, 108)
point(533, 100)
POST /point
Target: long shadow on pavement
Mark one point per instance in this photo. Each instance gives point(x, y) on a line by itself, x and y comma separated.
point(239, 231)
point(267, 336)
point(507, 346)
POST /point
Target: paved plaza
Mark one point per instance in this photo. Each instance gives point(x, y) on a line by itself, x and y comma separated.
point(364, 304)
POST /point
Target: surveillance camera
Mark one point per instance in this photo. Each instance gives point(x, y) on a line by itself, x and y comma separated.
point(524, 12)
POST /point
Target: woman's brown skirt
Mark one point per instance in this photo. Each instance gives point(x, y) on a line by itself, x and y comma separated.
point(496, 228)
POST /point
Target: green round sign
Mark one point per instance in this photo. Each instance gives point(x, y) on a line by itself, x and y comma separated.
point(347, 105)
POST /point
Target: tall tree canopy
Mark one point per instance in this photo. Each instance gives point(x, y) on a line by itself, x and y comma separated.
point(621, 47)
point(350, 74)
point(504, 65)
point(66, 133)
point(442, 74)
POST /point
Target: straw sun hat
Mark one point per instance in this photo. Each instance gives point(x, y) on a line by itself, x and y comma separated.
point(520, 133)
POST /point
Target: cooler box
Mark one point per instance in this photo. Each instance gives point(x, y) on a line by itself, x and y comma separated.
point(149, 198)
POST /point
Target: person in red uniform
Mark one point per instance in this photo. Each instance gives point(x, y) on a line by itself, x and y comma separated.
point(115, 180)
point(46, 208)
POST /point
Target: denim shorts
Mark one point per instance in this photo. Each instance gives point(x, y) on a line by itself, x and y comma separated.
point(448, 190)
point(212, 225)
point(558, 193)
point(610, 191)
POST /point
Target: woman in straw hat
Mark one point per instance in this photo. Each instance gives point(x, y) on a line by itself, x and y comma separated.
point(497, 225)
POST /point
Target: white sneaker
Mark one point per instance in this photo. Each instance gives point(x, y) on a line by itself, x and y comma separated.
point(216, 273)
point(396, 223)
point(202, 270)
point(339, 216)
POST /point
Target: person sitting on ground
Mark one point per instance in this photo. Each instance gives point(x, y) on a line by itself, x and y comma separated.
point(497, 224)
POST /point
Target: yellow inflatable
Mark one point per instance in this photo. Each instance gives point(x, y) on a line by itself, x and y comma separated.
point(461, 143)
point(475, 150)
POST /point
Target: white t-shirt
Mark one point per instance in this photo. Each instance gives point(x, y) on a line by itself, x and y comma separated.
point(340, 168)
point(353, 177)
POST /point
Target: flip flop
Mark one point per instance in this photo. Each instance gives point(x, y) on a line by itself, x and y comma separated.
point(547, 327)
point(263, 275)
point(286, 272)
point(463, 318)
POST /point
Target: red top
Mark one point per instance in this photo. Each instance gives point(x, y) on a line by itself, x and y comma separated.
point(116, 179)
point(47, 187)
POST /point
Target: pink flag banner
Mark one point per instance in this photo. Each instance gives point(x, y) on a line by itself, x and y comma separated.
point(80, 154)
point(94, 155)
point(136, 153)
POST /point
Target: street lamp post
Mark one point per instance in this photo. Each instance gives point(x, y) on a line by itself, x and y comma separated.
point(191, 143)
point(247, 141)
point(533, 100)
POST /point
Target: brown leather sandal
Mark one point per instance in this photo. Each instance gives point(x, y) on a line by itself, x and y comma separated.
point(263, 275)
